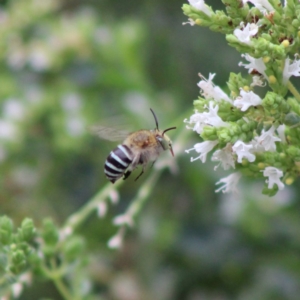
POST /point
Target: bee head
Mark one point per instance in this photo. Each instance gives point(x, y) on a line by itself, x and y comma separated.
point(162, 138)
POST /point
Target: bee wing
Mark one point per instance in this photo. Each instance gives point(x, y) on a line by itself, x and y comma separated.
point(113, 134)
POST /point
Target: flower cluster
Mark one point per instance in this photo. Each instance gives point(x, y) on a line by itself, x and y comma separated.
point(249, 129)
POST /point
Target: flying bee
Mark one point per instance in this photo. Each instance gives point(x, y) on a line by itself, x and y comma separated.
point(138, 148)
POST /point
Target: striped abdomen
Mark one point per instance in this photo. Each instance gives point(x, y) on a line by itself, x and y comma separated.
point(117, 162)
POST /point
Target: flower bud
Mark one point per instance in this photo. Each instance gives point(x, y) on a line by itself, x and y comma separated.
point(18, 261)
point(272, 79)
point(209, 133)
point(73, 247)
point(285, 43)
point(50, 232)
point(292, 119)
point(6, 228)
point(296, 23)
point(27, 229)
point(294, 152)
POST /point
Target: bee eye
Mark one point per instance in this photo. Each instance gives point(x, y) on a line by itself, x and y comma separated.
point(165, 145)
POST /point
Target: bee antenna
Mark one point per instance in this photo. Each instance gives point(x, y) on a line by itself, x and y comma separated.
point(156, 122)
point(171, 128)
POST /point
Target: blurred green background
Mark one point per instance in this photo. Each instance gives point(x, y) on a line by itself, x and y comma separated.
point(66, 65)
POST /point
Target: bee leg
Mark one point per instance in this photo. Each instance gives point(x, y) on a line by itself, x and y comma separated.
point(153, 164)
point(126, 175)
point(132, 167)
point(140, 175)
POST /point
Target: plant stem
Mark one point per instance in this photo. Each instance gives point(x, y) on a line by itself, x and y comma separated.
point(293, 90)
point(56, 278)
point(80, 216)
point(138, 202)
point(63, 290)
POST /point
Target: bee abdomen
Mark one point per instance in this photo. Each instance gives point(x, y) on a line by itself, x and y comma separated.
point(117, 162)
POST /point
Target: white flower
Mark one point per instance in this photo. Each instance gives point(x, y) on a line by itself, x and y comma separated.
point(281, 132)
point(190, 21)
point(200, 5)
point(274, 175)
point(114, 196)
point(246, 100)
point(65, 232)
point(225, 157)
point(262, 5)
point(210, 91)
point(266, 140)
point(74, 125)
point(198, 119)
point(71, 103)
point(257, 81)
point(254, 64)
point(202, 148)
point(289, 70)
point(246, 33)
point(17, 288)
point(39, 59)
point(13, 109)
point(8, 130)
point(116, 241)
point(101, 209)
point(124, 219)
point(206, 118)
point(243, 150)
point(212, 117)
point(230, 183)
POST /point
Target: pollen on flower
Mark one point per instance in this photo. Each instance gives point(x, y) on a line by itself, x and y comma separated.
point(285, 43)
point(257, 81)
point(272, 79)
point(290, 180)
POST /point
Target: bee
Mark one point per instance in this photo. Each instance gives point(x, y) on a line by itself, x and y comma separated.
point(138, 148)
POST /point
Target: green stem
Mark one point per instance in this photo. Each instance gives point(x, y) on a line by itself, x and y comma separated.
point(138, 202)
point(293, 90)
point(63, 290)
point(55, 276)
point(80, 216)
